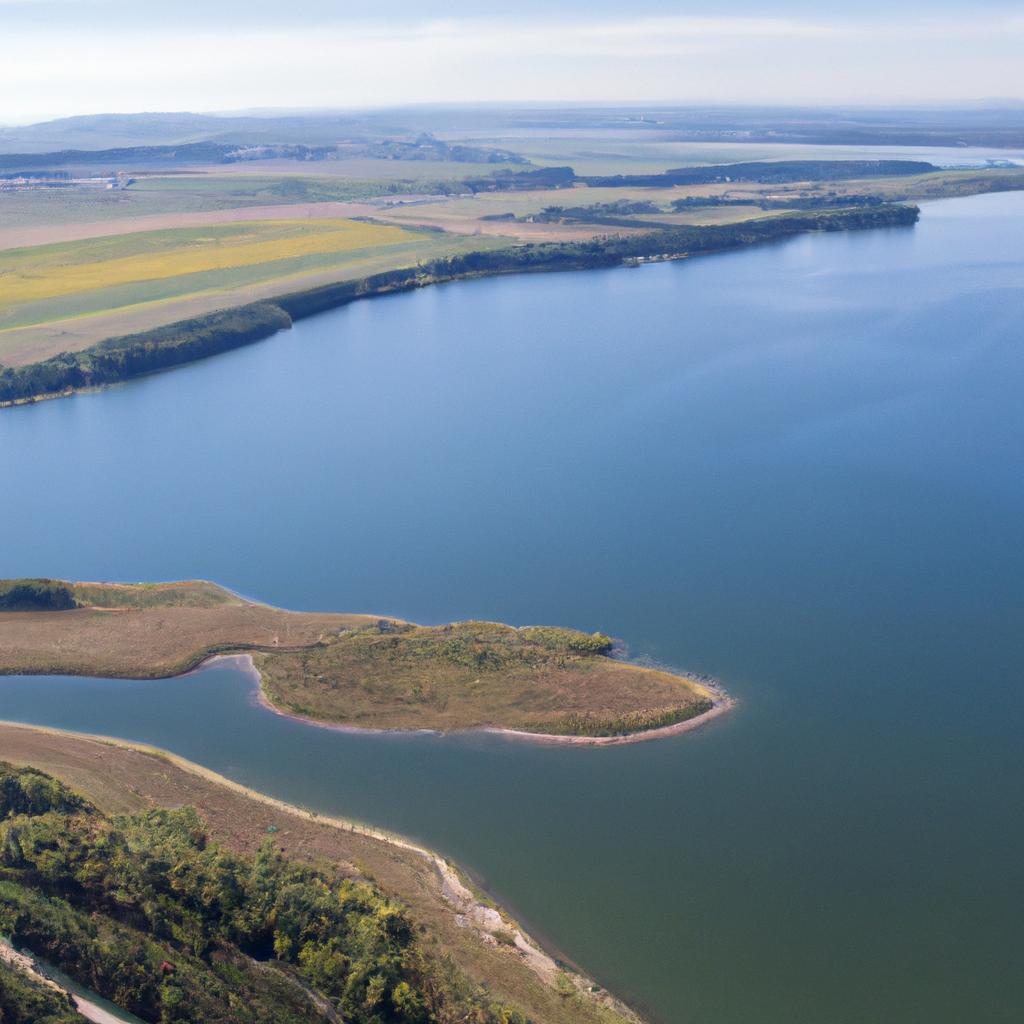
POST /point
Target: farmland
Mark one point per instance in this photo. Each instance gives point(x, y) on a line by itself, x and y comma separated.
point(184, 240)
point(65, 296)
point(31, 278)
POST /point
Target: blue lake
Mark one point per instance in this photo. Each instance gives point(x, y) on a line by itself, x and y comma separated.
point(797, 468)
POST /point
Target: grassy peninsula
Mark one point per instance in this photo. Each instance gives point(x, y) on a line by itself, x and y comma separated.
point(349, 670)
point(183, 898)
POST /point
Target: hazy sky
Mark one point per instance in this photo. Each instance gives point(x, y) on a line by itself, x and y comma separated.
point(61, 57)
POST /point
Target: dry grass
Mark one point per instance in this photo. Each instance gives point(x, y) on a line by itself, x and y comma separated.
point(477, 674)
point(464, 214)
point(119, 780)
point(151, 631)
point(355, 669)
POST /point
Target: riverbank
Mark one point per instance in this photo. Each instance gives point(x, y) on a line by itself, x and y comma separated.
point(123, 777)
point(351, 671)
point(124, 358)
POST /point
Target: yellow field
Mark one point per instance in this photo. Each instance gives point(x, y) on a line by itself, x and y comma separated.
point(51, 271)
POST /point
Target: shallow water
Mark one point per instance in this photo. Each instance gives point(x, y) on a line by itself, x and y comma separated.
point(795, 468)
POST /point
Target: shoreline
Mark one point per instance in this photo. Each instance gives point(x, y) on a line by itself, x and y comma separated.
point(223, 330)
point(721, 704)
point(470, 910)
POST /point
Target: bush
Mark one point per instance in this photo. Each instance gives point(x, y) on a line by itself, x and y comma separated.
point(38, 595)
point(149, 913)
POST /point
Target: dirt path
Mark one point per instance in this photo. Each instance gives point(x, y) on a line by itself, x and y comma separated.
point(86, 1007)
point(90, 1011)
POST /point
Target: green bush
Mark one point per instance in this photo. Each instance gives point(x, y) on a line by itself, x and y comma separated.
point(149, 913)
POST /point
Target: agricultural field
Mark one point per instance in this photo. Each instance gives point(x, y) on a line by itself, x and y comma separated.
point(80, 266)
point(644, 151)
point(29, 277)
point(280, 183)
point(465, 214)
point(65, 296)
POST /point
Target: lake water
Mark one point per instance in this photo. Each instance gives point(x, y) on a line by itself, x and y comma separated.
point(797, 468)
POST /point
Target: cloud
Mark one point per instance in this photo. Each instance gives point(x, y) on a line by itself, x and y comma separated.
point(50, 70)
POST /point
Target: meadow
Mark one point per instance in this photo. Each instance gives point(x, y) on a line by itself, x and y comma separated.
point(47, 272)
point(640, 151)
point(66, 296)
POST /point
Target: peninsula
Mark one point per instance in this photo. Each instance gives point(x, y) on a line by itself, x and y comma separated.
point(125, 356)
point(309, 918)
point(352, 671)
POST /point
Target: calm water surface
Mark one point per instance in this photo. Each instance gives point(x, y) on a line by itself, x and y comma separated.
point(796, 468)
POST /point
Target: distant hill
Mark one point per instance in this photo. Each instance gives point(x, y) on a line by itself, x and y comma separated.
point(120, 131)
point(993, 124)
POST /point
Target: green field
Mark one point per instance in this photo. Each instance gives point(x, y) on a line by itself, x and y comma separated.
point(348, 180)
point(51, 282)
point(629, 152)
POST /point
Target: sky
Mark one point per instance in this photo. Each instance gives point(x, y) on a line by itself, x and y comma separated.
point(62, 57)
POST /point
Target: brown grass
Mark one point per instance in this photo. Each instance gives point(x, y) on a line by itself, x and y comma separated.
point(152, 631)
point(119, 779)
point(476, 675)
point(356, 670)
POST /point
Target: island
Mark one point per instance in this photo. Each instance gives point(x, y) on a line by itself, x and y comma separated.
point(354, 671)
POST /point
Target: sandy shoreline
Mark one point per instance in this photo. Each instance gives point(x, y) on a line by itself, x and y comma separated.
point(721, 703)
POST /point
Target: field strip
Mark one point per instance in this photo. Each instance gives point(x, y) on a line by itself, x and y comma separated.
point(19, 238)
point(22, 345)
point(29, 275)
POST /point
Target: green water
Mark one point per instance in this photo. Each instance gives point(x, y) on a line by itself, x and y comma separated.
point(796, 468)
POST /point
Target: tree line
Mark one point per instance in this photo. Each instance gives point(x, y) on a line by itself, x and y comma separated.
point(35, 595)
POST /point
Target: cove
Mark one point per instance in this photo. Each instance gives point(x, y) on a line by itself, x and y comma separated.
point(795, 468)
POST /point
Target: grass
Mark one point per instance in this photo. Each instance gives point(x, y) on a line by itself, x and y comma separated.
point(76, 322)
point(145, 630)
point(266, 188)
point(93, 266)
point(67, 206)
point(632, 151)
point(119, 779)
point(477, 674)
point(356, 669)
